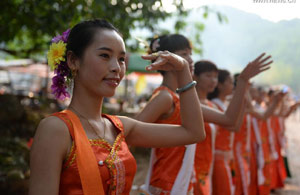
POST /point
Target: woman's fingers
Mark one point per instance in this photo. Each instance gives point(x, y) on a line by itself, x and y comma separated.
point(259, 57)
point(158, 64)
point(264, 69)
point(266, 64)
point(152, 56)
point(165, 61)
point(265, 59)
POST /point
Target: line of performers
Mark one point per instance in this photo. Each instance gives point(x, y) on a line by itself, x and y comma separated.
point(239, 156)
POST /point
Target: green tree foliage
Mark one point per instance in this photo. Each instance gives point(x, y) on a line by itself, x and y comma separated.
point(26, 26)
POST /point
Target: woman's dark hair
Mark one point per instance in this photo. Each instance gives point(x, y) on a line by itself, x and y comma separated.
point(235, 79)
point(222, 76)
point(171, 43)
point(271, 92)
point(82, 34)
point(204, 66)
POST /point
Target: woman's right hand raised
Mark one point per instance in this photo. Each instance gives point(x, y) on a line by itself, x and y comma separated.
point(165, 60)
point(260, 64)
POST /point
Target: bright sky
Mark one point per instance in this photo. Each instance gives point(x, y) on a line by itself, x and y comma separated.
point(273, 10)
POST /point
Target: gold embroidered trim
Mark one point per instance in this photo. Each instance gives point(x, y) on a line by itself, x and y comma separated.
point(93, 142)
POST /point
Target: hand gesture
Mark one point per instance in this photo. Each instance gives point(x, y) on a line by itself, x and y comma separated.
point(166, 61)
point(255, 67)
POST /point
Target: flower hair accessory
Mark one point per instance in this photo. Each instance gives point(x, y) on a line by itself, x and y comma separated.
point(155, 45)
point(57, 62)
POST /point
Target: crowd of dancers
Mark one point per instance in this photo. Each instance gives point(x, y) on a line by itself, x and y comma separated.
point(242, 157)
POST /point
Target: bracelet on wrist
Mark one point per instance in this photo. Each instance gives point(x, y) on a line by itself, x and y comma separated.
point(186, 87)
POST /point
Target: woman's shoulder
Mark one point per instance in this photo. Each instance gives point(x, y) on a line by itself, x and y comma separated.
point(127, 123)
point(52, 128)
point(52, 139)
point(53, 123)
point(163, 96)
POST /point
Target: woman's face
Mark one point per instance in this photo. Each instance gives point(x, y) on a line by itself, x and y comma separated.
point(207, 81)
point(187, 55)
point(226, 87)
point(102, 66)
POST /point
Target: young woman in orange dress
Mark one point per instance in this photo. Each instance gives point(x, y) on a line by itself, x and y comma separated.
point(256, 157)
point(242, 152)
point(82, 151)
point(206, 75)
point(222, 171)
point(278, 173)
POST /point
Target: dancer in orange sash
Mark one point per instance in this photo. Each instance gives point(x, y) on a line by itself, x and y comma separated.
point(253, 183)
point(245, 155)
point(206, 75)
point(222, 171)
point(278, 173)
point(82, 151)
point(242, 152)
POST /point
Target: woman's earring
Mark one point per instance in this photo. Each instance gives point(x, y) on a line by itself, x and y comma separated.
point(74, 73)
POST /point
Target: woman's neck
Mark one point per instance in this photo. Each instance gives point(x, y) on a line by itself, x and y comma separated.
point(222, 97)
point(202, 95)
point(87, 104)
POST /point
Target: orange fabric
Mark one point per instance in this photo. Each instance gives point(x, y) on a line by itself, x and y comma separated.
point(223, 137)
point(203, 161)
point(118, 167)
point(242, 159)
point(253, 186)
point(224, 165)
point(90, 176)
point(244, 166)
point(241, 136)
point(265, 188)
point(278, 173)
point(221, 177)
point(168, 160)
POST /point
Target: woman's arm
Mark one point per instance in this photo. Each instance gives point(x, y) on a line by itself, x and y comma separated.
point(160, 135)
point(235, 111)
point(292, 109)
point(270, 109)
point(50, 147)
point(213, 115)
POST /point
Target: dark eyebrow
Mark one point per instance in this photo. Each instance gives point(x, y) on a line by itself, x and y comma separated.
point(110, 50)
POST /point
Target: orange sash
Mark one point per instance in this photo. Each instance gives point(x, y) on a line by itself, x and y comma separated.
point(86, 161)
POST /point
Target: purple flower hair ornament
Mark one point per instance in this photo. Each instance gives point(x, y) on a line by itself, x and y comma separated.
point(57, 62)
